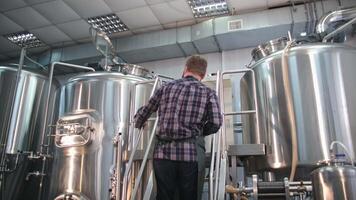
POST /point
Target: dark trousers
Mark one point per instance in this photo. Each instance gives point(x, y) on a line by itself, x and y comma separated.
point(176, 175)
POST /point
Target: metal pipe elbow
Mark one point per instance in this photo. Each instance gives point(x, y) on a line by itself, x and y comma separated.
point(335, 16)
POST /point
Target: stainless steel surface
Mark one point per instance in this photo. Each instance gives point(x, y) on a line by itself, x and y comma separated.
point(268, 48)
point(322, 102)
point(104, 45)
point(334, 182)
point(339, 29)
point(269, 176)
point(21, 127)
point(333, 20)
point(132, 69)
point(327, 21)
point(276, 45)
point(259, 52)
point(27, 115)
point(46, 111)
point(87, 169)
point(243, 150)
point(6, 136)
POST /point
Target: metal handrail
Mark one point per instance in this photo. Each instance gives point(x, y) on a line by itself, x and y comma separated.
point(220, 138)
point(219, 141)
point(137, 139)
point(145, 158)
point(212, 162)
point(144, 161)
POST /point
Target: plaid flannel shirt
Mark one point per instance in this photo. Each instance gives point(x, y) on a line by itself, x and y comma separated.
point(186, 109)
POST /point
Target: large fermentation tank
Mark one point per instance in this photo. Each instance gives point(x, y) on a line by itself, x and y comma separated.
point(95, 109)
point(21, 125)
point(313, 96)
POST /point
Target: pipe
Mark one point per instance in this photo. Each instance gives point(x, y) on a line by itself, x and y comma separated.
point(212, 163)
point(322, 6)
point(345, 149)
point(292, 9)
point(163, 76)
point(247, 112)
point(30, 59)
point(339, 15)
point(338, 30)
point(306, 28)
point(290, 110)
point(218, 149)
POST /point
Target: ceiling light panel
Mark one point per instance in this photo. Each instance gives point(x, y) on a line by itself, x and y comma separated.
point(24, 39)
point(108, 23)
point(208, 8)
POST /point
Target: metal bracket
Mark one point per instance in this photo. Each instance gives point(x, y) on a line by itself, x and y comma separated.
point(244, 150)
point(286, 187)
point(255, 187)
point(35, 174)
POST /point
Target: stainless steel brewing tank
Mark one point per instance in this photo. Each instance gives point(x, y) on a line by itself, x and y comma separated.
point(335, 181)
point(22, 126)
point(94, 108)
point(321, 107)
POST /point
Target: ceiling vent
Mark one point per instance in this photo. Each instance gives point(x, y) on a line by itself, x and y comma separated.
point(235, 25)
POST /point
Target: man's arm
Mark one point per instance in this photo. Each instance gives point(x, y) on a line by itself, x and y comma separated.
point(214, 117)
point(145, 111)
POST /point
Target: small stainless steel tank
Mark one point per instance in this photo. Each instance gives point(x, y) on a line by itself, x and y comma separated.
point(334, 181)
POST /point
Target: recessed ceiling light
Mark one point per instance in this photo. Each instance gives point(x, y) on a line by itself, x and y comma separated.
point(24, 39)
point(208, 8)
point(108, 23)
point(303, 34)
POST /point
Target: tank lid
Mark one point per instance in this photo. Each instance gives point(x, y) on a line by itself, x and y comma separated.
point(259, 52)
point(268, 48)
point(131, 69)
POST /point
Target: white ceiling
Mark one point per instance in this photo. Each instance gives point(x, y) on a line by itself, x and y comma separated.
point(63, 22)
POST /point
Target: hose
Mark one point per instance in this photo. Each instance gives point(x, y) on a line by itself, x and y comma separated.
point(290, 109)
point(345, 149)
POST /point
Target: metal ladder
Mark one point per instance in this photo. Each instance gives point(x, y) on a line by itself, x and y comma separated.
point(135, 142)
point(219, 155)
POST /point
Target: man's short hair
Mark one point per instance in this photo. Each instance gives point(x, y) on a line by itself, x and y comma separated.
point(197, 65)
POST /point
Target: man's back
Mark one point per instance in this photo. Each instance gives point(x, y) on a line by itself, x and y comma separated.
point(182, 111)
point(186, 109)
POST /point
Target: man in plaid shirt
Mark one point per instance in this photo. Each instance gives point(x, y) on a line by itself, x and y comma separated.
point(187, 111)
